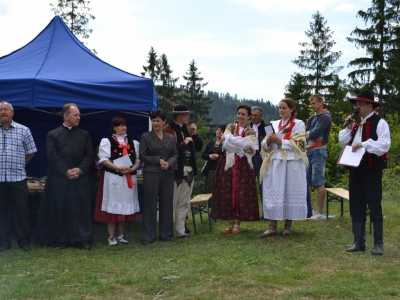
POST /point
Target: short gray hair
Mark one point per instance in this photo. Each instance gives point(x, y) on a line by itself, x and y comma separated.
point(5, 102)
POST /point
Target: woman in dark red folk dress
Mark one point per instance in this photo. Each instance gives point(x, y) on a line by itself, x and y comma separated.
point(117, 197)
point(235, 194)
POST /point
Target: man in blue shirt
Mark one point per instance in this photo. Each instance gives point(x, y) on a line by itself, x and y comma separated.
point(16, 150)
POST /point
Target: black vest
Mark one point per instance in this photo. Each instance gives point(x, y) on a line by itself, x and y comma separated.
point(369, 160)
point(116, 152)
point(261, 132)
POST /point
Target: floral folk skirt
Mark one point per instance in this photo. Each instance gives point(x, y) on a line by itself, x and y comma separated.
point(235, 192)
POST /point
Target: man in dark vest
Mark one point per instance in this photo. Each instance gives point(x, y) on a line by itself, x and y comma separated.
point(365, 182)
point(187, 143)
point(258, 125)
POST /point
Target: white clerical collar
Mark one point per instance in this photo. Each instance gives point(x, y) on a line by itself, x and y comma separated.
point(67, 126)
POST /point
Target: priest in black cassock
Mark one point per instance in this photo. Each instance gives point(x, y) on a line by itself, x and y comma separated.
point(65, 212)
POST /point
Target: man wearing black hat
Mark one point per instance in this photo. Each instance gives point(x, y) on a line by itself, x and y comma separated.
point(187, 143)
point(365, 182)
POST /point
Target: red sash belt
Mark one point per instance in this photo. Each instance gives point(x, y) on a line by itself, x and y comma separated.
point(125, 146)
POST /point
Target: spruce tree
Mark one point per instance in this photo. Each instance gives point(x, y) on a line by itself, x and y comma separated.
point(166, 88)
point(317, 56)
point(76, 15)
point(193, 93)
point(298, 89)
point(381, 43)
point(152, 68)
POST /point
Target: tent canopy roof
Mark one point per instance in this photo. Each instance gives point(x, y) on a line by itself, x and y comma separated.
point(56, 68)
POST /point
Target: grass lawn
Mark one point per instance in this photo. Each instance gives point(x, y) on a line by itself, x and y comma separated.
point(312, 264)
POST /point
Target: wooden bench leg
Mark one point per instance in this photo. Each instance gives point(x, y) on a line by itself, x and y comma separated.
point(341, 208)
point(333, 198)
point(209, 217)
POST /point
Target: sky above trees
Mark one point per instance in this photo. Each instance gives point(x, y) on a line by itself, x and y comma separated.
point(243, 47)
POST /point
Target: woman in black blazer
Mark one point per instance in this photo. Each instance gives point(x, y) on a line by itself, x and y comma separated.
point(157, 150)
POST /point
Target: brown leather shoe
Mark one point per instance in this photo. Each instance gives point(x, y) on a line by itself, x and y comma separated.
point(226, 230)
point(268, 233)
point(236, 227)
point(235, 231)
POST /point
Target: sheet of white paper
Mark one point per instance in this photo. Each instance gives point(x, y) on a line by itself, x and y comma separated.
point(269, 129)
point(123, 161)
point(350, 158)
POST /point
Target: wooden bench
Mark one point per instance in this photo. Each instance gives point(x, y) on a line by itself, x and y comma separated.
point(199, 205)
point(338, 195)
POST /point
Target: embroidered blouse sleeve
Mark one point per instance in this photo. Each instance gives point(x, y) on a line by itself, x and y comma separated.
point(104, 150)
point(264, 144)
point(299, 126)
point(236, 143)
point(382, 145)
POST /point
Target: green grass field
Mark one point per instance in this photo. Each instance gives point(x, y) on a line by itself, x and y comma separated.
point(312, 264)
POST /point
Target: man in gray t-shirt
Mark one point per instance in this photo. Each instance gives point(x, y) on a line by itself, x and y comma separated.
point(318, 129)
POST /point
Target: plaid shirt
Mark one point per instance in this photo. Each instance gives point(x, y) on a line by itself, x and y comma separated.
point(16, 142)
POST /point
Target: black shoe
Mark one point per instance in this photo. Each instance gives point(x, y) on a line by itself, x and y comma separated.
point(26, 247)
point(356, 248)
point(146, 243)
point(184, 236)
point(85, 246)
point(187, 231)
point(4, 248)
point(378, 249)
point(63, 246)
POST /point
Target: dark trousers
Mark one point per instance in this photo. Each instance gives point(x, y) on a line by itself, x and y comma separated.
point(157, 187)
point(365, 189)
point(256, 160)
point(17, 194)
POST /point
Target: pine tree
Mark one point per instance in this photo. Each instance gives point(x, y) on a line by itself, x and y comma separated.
point(193, 93)
point(76, 15)
point(317, 56)
point(380, 41)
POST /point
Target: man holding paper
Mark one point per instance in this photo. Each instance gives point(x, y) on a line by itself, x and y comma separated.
point(365, 181)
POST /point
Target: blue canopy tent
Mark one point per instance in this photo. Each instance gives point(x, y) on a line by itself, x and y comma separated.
point(56, 68)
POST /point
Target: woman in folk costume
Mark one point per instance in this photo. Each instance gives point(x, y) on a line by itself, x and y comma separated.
point(117, 197)
point(283, 171)
point(235, 194)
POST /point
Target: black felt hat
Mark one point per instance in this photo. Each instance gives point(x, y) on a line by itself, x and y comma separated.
point(366, 96)
point(180, 109)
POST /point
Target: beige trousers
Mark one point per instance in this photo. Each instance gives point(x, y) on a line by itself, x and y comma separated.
point(182, 195)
